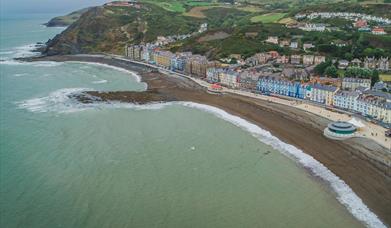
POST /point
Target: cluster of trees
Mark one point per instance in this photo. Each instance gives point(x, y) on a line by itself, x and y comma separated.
point(330, 70)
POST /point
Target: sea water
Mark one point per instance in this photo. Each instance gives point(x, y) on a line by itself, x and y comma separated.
point(64, 164)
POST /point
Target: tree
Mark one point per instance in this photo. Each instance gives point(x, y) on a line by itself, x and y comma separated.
point(348, 56)
point(320, 68)
point(331, 71)
point(375, 77)
point(356, 72)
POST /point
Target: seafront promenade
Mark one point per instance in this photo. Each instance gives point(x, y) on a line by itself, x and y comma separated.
point(370, 130)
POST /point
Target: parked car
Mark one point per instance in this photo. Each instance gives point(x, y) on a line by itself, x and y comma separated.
point(388, 133)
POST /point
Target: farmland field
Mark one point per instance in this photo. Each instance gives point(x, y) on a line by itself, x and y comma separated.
point(268, 18)
point(385, 77)
point(173, 6)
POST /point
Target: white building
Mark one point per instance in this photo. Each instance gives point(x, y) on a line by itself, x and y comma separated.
point(229, 78)
point(272, 40)
point(345, 99)
point(353, 83)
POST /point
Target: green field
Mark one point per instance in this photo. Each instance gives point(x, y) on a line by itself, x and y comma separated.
point(192, 3)
point(173, 6)
point(385, 77)
point(268, 18)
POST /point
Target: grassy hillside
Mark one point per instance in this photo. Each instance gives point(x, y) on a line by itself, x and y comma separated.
point(66, 20)
point(108, 29)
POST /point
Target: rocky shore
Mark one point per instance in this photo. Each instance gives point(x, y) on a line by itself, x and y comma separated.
point(369, 179)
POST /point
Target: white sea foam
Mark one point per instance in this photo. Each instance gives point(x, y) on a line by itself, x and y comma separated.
point(100, 81)
point(63, 101)
point(25, 51)
point(60, 102)
point(6, 52)
point(134, 74)
point(20, 75)
point(13, 62)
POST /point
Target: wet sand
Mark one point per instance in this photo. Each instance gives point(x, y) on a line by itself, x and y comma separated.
point(369, 179)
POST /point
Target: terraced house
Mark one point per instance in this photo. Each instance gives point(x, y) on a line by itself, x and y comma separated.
point(354, 83)
point(273, 85)
point(323, 94)
point(374, 104)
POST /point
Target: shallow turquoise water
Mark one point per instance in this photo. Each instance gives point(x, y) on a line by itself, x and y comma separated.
point(62, 165)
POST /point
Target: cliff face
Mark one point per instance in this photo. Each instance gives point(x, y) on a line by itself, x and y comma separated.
point(109, 29)
point(95, 31)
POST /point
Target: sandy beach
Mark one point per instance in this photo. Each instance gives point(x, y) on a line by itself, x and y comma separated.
point(369, 179)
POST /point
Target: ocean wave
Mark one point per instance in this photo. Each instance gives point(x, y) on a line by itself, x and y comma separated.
point(60, 101)
point(134, 74)
point(25, 51)
point(20, 75)
point(65, 101)
point(12, 62)
point(100, 81)
point(6, 52)
point(345, 194)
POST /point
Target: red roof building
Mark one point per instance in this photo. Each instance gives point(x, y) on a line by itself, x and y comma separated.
point(378, 31)
point(360, 24)
point(273, 54)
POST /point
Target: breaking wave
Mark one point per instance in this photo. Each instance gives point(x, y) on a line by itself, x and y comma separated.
point(61, 101)
point(134, 74)
point(8, 57)
point(65, 101)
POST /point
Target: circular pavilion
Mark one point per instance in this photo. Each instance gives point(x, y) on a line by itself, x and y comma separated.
point(340, 130)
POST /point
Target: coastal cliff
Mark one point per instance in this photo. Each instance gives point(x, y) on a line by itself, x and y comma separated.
point(109, 29)
point(66, 20)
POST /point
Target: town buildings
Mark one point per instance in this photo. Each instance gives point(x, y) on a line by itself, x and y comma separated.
point(323, 94)
point(354, 83)
point(378, 31)
point(313, 27)
point(345, 99)
point(294, 45)
point(307, 46)
point(272, 40)
point(360, 23)
point(319, 59)
point(275, 85)
point(295, 59)
point(308, 59)
point(343, 64)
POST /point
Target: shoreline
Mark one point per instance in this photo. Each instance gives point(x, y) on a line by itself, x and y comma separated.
point(369, 179)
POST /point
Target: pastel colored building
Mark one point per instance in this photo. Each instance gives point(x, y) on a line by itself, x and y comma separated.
point(319, 59)
point(295, 59)
point(323, 94)
point(345, 99)
point(272, 85)
point(229, 78)
point(163, 58)
point(308, 59)
point(353, 83)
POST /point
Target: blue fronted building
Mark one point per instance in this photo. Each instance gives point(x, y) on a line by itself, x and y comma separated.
point(272, 85)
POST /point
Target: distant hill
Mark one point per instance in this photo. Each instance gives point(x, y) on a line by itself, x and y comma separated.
point(63, 21)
